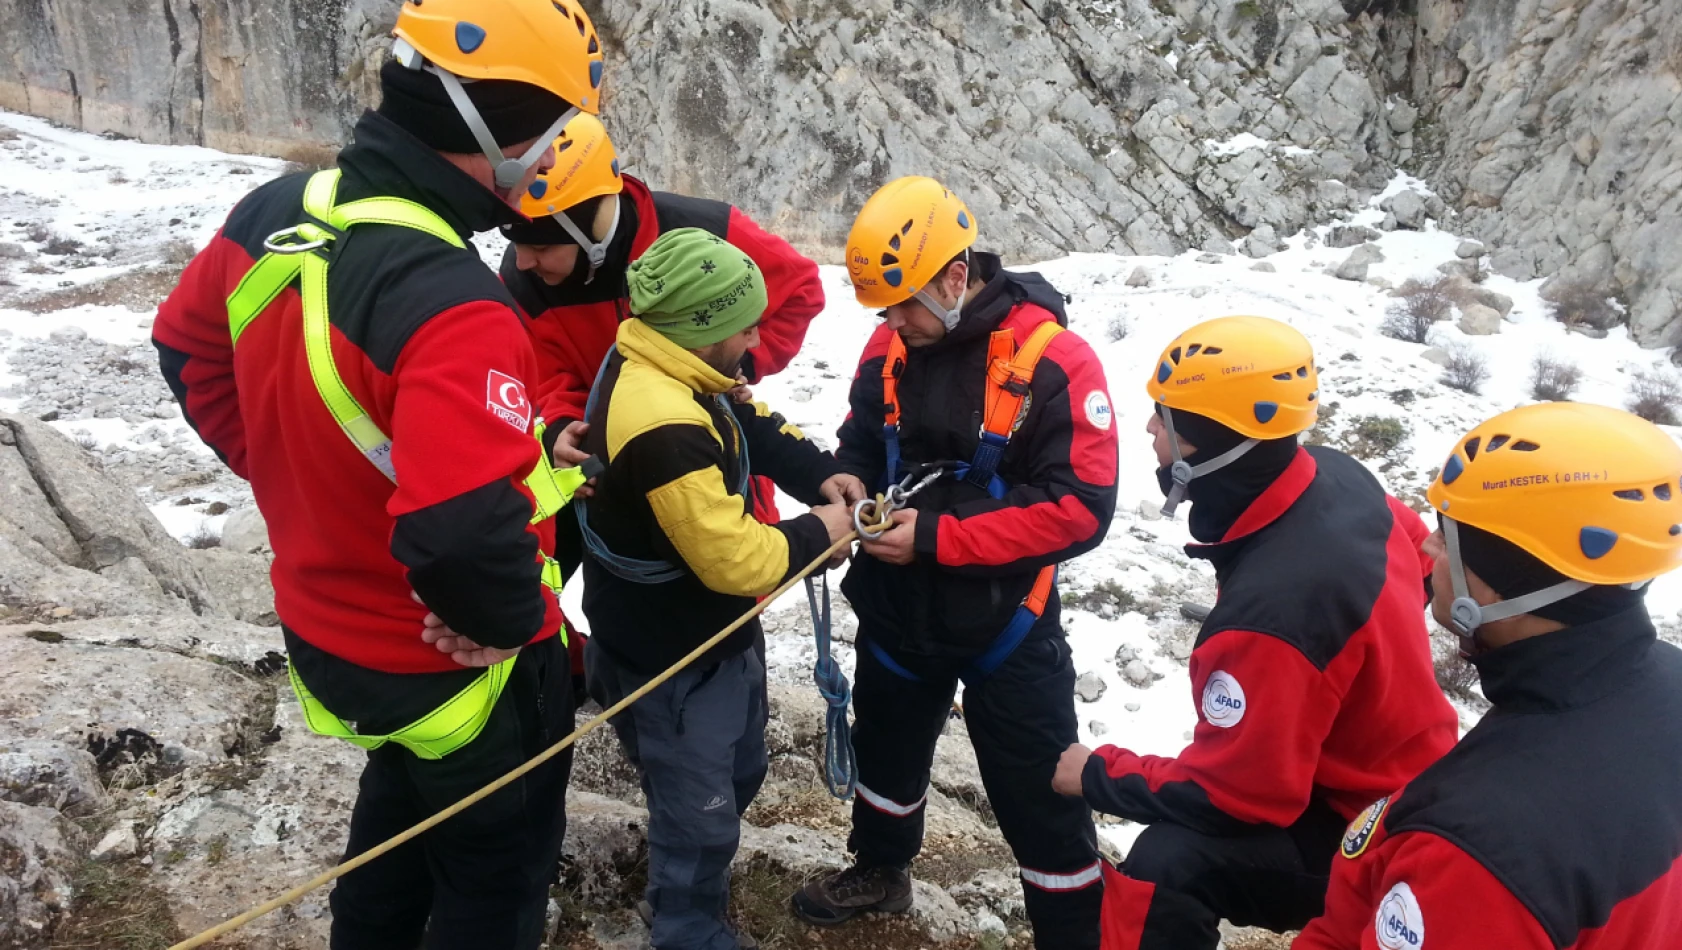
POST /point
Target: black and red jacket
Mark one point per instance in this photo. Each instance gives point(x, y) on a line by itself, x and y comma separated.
point(977, 556)
point(1312, 675)
point(428, 341)
point(573, 324)
point(1555, 823)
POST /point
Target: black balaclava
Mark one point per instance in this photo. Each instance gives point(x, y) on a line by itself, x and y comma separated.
point(1220, 497)
point(514, 112)
point(1514, 572)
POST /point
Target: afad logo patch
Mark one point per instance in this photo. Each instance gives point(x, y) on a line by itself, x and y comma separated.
point(1223, 700)
point(1098, 410)
point(1356, 839)
point(1400, 925)
point(505, 397)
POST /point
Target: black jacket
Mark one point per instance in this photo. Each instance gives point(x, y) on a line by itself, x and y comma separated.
point(977, 556)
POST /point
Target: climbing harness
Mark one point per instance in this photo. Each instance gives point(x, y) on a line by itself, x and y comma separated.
point(637, 570)
point(304, 254)
point(386, 847)
point(1010, 374)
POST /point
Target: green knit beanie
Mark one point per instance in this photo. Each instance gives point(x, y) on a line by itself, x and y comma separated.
point(695, 290)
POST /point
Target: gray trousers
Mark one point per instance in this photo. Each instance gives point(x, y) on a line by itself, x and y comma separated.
point(699, 741)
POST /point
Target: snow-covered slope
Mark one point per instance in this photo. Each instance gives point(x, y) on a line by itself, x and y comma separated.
point(1121, 600)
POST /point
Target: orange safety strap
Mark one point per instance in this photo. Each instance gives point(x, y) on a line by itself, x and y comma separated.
point(1041, 591)
point(892, 366)
point(1009, 375)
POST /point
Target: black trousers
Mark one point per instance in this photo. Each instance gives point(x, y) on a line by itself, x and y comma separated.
point(1273, 878)
point(480, 880)
point(1020, 718)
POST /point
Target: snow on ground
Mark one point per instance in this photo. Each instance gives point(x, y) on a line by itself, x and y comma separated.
point(1123, 597)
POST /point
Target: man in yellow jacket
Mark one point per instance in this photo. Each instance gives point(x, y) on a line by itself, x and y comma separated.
point(676, 555)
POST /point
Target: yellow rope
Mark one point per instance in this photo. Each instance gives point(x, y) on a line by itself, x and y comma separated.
point(333, 874)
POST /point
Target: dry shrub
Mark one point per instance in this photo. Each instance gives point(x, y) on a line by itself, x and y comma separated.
point(1418, 308)
point(1552, 379)
point(1656, 395)
point(1466, 370)
point(1578, 304)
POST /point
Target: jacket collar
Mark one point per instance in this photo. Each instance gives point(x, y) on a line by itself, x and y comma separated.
point(1568, 668)
point(641, 344)
point(383, 159)
point(1268, 507)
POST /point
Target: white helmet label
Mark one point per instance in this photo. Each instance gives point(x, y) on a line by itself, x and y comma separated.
point(1223, 700)
point(1098, 409)
point(1400, 925)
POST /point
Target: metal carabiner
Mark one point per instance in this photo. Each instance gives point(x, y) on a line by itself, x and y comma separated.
point(872, 531)
point(273, 246)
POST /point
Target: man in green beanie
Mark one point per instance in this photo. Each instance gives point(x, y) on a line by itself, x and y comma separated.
point(676, 555)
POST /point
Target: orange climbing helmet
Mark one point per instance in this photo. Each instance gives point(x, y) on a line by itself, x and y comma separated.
point(903, 237)
point(1251, 374)
point(1590, 491)
point(550, 44)
point(586, 166)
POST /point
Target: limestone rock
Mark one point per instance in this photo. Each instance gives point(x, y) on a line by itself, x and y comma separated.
point(1139, 278)
point(1466, 270)
point(1435, 355)
point(38, 852)
point(73, 537)
point(239, 583)
point(120, 842)
point(1350, 235)
point(246, 532)
point(1137, 673)
point(1263, 240)
point(1354, 267)
point(50, 774)
point(1150, 510)
point(1409, 209)
point(1090, 687)
point(1469, 250)
point(1264, 267)
point(1479, 320)
point(146, 709)
point(937, 912)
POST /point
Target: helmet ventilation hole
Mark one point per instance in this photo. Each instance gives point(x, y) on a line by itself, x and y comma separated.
point(1472, 448)
point(1192, 349)
point(1523, 446)
point(906, 227)
point(595, 47)
point(1302, 372)
point(1631, 494)
point(888, 258)
point(1211, 351)
point(1496, 441)
point(893, 242)
point(1675, 530)
point(578, 18)
point(1662, 491)
point(1174, 355)
point(1283, 377)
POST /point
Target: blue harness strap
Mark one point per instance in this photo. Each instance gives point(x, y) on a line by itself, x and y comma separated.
point(636, 570)
point(841, 770)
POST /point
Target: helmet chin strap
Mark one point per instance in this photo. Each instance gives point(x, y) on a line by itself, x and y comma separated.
point(948, 315)
point(1466, 615)
point(596, 252)
point(509, 171)
point(1182, 472)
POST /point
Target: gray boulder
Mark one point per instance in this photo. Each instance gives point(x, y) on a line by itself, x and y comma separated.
point(39, 851)
point(1466, 270)
point(1350, 235)
point(1090, 687)
point(1139, 278)
point(1263, 240)
point(239, 583)
point(1354, 267)
point(1264, 267)
point(1409, 209)
point(1479, 320)
point(246, 532)
point(50, 774)
point(76, 541)
point(1469, 250)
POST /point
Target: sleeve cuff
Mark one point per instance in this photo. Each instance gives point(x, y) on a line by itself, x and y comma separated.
point(927, 541)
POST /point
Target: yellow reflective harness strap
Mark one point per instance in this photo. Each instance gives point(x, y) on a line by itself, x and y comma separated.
point(293, 255)
point(442, 731)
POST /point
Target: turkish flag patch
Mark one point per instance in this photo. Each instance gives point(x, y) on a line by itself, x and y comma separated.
point(505, 397)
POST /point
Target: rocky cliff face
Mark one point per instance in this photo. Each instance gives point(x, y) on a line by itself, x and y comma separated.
point(1556, 125)
point(1143, 126)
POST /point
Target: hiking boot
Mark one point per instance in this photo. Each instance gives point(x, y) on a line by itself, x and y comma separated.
point(744, 940)
point(827, 901)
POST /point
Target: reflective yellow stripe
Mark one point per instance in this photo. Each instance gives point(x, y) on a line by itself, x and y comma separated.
point(258, 288)
point(442, 731)
point(394, 211)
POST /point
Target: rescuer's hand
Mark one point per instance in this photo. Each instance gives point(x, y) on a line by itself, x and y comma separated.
point(897, 545)
point(1069, 768)
point(461, 649)
point(569, 451)
point(842, 490)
